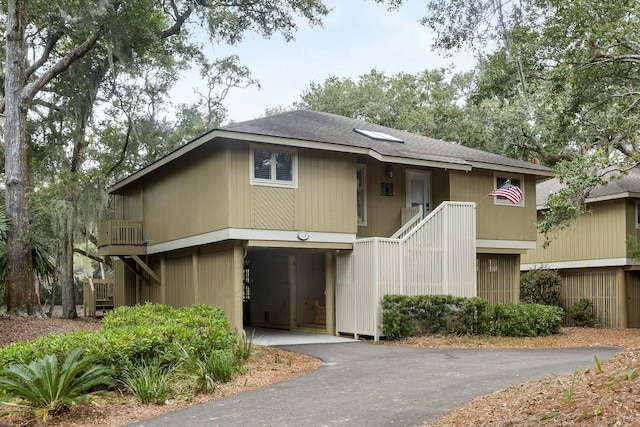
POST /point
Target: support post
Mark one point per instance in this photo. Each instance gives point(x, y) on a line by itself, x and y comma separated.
point(330, 292)
point(293, 292)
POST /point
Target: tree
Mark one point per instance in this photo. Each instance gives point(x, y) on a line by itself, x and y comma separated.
point(576, 65)
point(428, 103)
point(64, 34)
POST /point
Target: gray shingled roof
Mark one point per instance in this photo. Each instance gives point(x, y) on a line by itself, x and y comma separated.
point(334, 129)
point(629, 183)
point(325, 128)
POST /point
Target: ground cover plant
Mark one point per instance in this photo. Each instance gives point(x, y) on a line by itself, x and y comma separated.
point(150, 350)
point(45, 386)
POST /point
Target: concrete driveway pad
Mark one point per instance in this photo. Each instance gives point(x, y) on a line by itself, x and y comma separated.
point(378, 385)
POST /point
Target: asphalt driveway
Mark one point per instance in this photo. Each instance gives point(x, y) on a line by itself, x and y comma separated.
point(377, 385)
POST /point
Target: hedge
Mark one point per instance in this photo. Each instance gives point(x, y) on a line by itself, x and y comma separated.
point(404, 316)
point(129, 334)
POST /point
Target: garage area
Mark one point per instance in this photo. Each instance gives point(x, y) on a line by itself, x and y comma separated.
point(287, 289)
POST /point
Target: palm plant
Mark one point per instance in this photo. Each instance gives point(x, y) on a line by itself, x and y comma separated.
point(4, 224)
point(43, 258)
point(43, 386)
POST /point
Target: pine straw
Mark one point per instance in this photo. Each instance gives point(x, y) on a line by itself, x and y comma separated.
point(610, 397)
point(607, 398)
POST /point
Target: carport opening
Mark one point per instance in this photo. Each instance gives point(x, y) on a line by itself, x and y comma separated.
point(285, 289)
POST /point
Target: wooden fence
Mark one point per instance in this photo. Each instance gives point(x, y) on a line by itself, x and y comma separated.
point(438, 256)
point(97, 295)
point(603, 287)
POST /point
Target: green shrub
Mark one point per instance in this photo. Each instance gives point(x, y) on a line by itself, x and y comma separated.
point(243, 348)
point(203, 372)
point(397, 321)
point(540, 286)
point(527, 320)
point(582, 313)
point(473, 316)
point(149, 380)
point(131, 334)
point(194, 369)
point(404, 316)
point(221, 364)
point(154, 350)
point(200, 328)
point(43, 386)
point(59, 345)
point(510, 320)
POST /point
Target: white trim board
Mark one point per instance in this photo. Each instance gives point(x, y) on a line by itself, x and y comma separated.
point(585, 263)
point(249, 234)
point(608, 197)
point(505, 244)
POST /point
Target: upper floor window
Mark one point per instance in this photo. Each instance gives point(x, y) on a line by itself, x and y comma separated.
point(361, 201)
point(274, 167)
point(504, 181)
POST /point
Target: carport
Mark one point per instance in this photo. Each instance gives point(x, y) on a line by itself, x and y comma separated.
point(290, 289)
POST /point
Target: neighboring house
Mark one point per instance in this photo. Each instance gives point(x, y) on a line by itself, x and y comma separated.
point(592, 256)
point(284, 222)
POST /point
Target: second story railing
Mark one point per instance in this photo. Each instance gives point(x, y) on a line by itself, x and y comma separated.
point(410, 217)
point(121, 233)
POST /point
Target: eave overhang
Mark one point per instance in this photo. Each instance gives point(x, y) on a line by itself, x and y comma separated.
point(432, 161)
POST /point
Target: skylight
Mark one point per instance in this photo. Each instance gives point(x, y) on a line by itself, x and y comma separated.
point(380, 136)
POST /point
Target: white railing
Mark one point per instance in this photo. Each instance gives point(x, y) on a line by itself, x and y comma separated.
point(438, 256)
point(410, 218)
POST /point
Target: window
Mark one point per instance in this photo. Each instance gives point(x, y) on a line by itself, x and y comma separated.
point(361, 195)
point(276, 168)
point(638, 214)
point(502, 181)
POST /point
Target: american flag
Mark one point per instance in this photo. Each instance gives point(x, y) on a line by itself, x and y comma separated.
point(510, 192)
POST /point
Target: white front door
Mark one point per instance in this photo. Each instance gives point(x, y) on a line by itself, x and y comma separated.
point(419, 190)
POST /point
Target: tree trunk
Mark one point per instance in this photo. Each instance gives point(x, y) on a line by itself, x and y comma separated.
point(20, 292)
point(67, 278)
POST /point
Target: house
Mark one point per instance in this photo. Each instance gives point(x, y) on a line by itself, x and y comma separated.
point(306, 219)
point(592, 256)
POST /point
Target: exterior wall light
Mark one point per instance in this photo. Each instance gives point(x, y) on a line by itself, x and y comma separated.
point(388, 170)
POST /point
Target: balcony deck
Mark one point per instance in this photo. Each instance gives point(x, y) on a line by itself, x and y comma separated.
point(121, 238)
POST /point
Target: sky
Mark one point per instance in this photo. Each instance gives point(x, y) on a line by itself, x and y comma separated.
point(356, 36)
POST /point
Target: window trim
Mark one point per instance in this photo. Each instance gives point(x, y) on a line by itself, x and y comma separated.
point(504, 202)
point(273, 182)
point(362, 221)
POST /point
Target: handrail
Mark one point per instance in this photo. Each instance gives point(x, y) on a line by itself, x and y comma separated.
point(398, 234)
point(116, 232)
point(433, 213)
point(412, 222)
